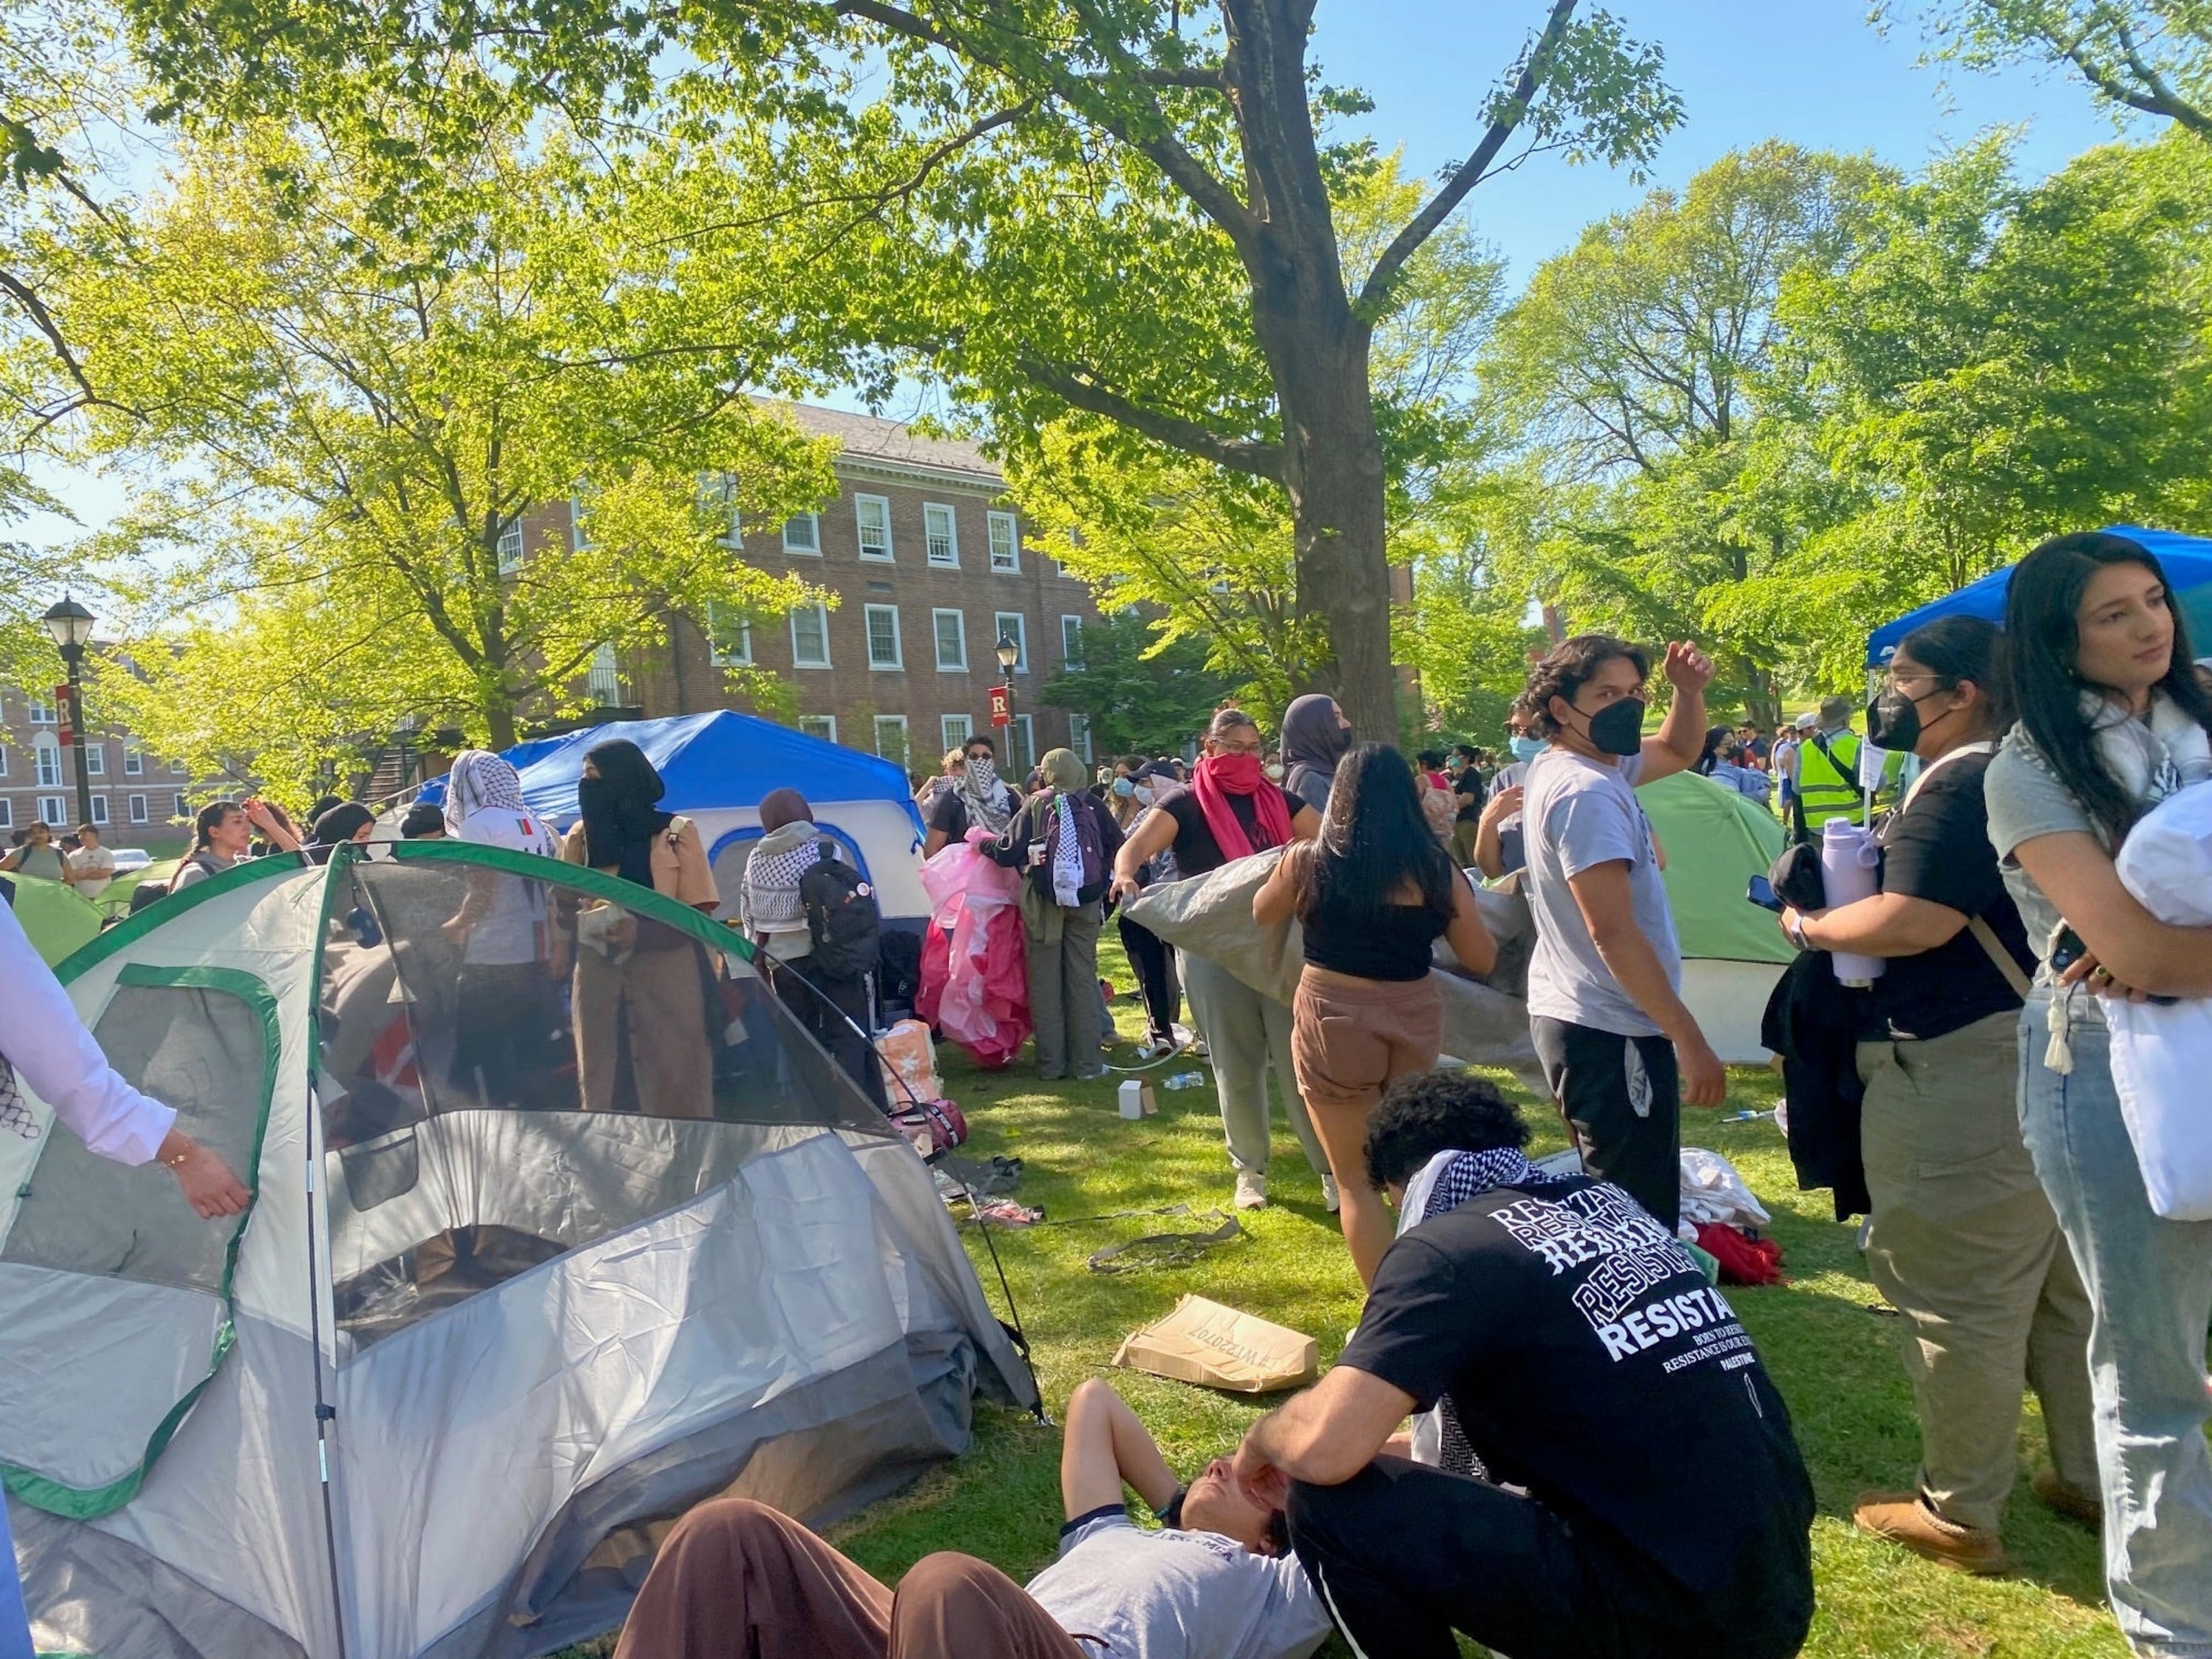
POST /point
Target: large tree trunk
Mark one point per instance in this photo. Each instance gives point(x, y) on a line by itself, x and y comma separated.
point(1332, 472)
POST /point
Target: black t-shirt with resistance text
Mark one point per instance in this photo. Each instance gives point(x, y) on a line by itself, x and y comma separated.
point(1589, 1363)
point(1938, 848)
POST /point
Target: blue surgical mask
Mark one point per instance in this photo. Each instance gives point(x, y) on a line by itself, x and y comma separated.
point(1144, 794)
point(1526, 748)
point(1124, 788)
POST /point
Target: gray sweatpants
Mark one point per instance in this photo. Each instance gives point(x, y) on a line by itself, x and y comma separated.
point(1248, 1035)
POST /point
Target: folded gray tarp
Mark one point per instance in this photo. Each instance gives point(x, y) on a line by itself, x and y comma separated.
point(1485, 1020)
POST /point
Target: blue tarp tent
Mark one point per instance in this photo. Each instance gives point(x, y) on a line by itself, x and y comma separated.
point(717, 767)
point(2187, 560)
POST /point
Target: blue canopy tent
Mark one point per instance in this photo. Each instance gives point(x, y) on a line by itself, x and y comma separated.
point(2187, 560)
point(717, 766)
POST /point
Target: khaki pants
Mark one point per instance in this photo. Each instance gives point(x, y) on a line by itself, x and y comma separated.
point(656, 1000)
point(1965, 1243)
point(1064, 1011)
point(738, 1580)
point(1248, 1036)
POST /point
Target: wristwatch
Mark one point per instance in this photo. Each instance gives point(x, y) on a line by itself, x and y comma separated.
point(1797, 932)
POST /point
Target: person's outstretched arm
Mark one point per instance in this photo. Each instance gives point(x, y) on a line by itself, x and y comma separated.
point(42, 1037)
point(1682, 737)
point(1104, 1448)
point(1324, 1436)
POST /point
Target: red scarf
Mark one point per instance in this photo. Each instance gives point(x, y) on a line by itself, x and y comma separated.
point(1220, 777)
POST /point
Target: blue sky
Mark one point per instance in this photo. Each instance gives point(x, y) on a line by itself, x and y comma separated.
point(1813, 72)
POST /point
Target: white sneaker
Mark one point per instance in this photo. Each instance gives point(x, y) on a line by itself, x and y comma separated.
point(1251, 1190)
point(1331, 1200)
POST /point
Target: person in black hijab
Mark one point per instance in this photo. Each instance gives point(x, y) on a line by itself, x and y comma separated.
point(1315, 737)
point(619, 797)
point(348, 821)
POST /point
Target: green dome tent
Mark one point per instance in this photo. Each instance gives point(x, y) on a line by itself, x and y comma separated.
point(55, 920)
point(1732, 952)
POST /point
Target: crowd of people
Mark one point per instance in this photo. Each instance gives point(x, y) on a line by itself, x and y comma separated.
point(1568, 1372)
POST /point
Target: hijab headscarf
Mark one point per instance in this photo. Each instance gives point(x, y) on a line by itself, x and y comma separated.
point(481, 779)
point(1314, 739)
point(338, 826)
point(1063, 771)
point(620, 809)
point(982, 794)
point(781, 807)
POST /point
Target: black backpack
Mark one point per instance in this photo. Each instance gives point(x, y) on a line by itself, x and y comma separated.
point(843, 922)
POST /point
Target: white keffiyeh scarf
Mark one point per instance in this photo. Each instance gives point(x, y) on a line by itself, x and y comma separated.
point(2164, 750)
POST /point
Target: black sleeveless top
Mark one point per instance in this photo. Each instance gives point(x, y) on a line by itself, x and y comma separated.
point(1391, 944)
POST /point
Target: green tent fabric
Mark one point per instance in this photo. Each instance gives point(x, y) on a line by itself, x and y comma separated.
point(55, 920)
point(1716, 841)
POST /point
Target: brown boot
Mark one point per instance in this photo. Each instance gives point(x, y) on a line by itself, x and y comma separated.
point(1904, 1518)
point(2067, 1501)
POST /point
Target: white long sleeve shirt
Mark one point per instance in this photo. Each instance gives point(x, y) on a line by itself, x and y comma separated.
point(54, 1054)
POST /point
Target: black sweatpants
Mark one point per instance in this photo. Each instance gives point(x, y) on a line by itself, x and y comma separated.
point(829, 1009)
point(1402, 1555)
point(1152, 960)
point(1622, 1098)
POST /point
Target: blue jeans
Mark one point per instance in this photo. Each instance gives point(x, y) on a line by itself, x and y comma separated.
point(2150, 1287)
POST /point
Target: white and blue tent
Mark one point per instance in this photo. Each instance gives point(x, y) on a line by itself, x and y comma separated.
point(717, 767)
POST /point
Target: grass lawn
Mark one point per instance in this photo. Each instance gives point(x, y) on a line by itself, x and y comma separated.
point(1834, 1359)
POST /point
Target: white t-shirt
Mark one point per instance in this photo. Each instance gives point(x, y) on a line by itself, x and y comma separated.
point(1175, 1595)
point(94, 869)
point(507, 933)
point(1574, 815)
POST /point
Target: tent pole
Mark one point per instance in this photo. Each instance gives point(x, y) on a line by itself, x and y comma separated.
point(326, 1414)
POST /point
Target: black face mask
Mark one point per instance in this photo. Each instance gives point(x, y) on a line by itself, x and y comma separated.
point(1618, 728)
point(1894, 720)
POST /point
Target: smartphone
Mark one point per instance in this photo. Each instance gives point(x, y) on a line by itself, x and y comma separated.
point(2069, 950)
point(1761, 891)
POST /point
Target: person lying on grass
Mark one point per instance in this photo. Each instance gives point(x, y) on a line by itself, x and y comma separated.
point(1631, 1483)
point(738, 1580)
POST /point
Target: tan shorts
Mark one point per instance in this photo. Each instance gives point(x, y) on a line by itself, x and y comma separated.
point(1350, 1043)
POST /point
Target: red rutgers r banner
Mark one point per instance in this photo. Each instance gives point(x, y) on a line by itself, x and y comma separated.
point(65, 708)
point(1002, 705)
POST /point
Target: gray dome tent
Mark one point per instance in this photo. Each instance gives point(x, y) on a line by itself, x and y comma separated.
point(471, 1340)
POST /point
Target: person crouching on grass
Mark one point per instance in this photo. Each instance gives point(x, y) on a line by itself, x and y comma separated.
point(738, 1580)
point(1634, 1487)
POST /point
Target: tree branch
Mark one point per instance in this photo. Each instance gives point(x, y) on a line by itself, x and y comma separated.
point(1380, 281)
point(2157, 96)
point(1080, 388)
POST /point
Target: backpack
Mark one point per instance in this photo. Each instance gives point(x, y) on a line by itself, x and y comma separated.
point(843, 922)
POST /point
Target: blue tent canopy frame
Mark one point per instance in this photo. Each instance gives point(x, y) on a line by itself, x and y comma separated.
point(709, 762)
point(2187, 560)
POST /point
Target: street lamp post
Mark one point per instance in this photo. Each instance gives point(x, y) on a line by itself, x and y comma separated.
point(1009, 653)
point(69, 626)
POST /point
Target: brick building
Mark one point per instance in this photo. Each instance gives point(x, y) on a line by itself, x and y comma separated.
point(930, 567)
point(136, 799)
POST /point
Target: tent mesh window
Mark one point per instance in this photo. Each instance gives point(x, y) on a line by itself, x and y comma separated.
point(513, 1066)
point(201, 1049)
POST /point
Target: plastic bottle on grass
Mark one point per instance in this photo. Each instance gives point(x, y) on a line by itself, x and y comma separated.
point(1185, 1080)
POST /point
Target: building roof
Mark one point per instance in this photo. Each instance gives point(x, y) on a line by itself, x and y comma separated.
point(869, 440)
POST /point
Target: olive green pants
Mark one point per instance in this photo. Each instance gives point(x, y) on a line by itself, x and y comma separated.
point(1965, 1245)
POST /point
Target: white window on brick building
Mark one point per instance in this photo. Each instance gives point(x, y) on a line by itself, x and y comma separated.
point(136, 805)
point(729, 637)
point(510, 545)
point(803, 534)
point(53, 811)
point(1005, 542)
point(891, 738)
point(809, 637)
point(1071, 641)
point(954, 731)
point(46, 756)
point(96, 760)
point(951, 628)
point(7, 813)
point(823, 726)
point(1010, 625)
point(42, 711)
point(134, 761)
point(99, 808)
point(1078, 737)
point(884, 651)
point(942, 532)
point(874, 515)
point(179, 807)
point(603, 680)
point(3, 760)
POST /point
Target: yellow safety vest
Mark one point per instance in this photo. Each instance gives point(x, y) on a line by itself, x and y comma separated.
point(1829, 789)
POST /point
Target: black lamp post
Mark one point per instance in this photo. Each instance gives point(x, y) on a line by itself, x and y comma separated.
point(1008, 654)
point(69, 626)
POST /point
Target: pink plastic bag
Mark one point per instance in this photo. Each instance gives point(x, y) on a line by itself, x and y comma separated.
point(975, 984)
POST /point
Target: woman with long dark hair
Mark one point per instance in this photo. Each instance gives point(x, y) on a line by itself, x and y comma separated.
point(1963, 1240)
point(2112, 719)
point(1374, 891)
point(638, 986)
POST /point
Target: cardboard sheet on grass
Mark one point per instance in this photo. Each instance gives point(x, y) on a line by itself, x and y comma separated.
point(1485, 1020)
point(1219, 1347)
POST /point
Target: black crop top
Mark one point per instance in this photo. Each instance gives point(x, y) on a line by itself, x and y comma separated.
point(1391, 944)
